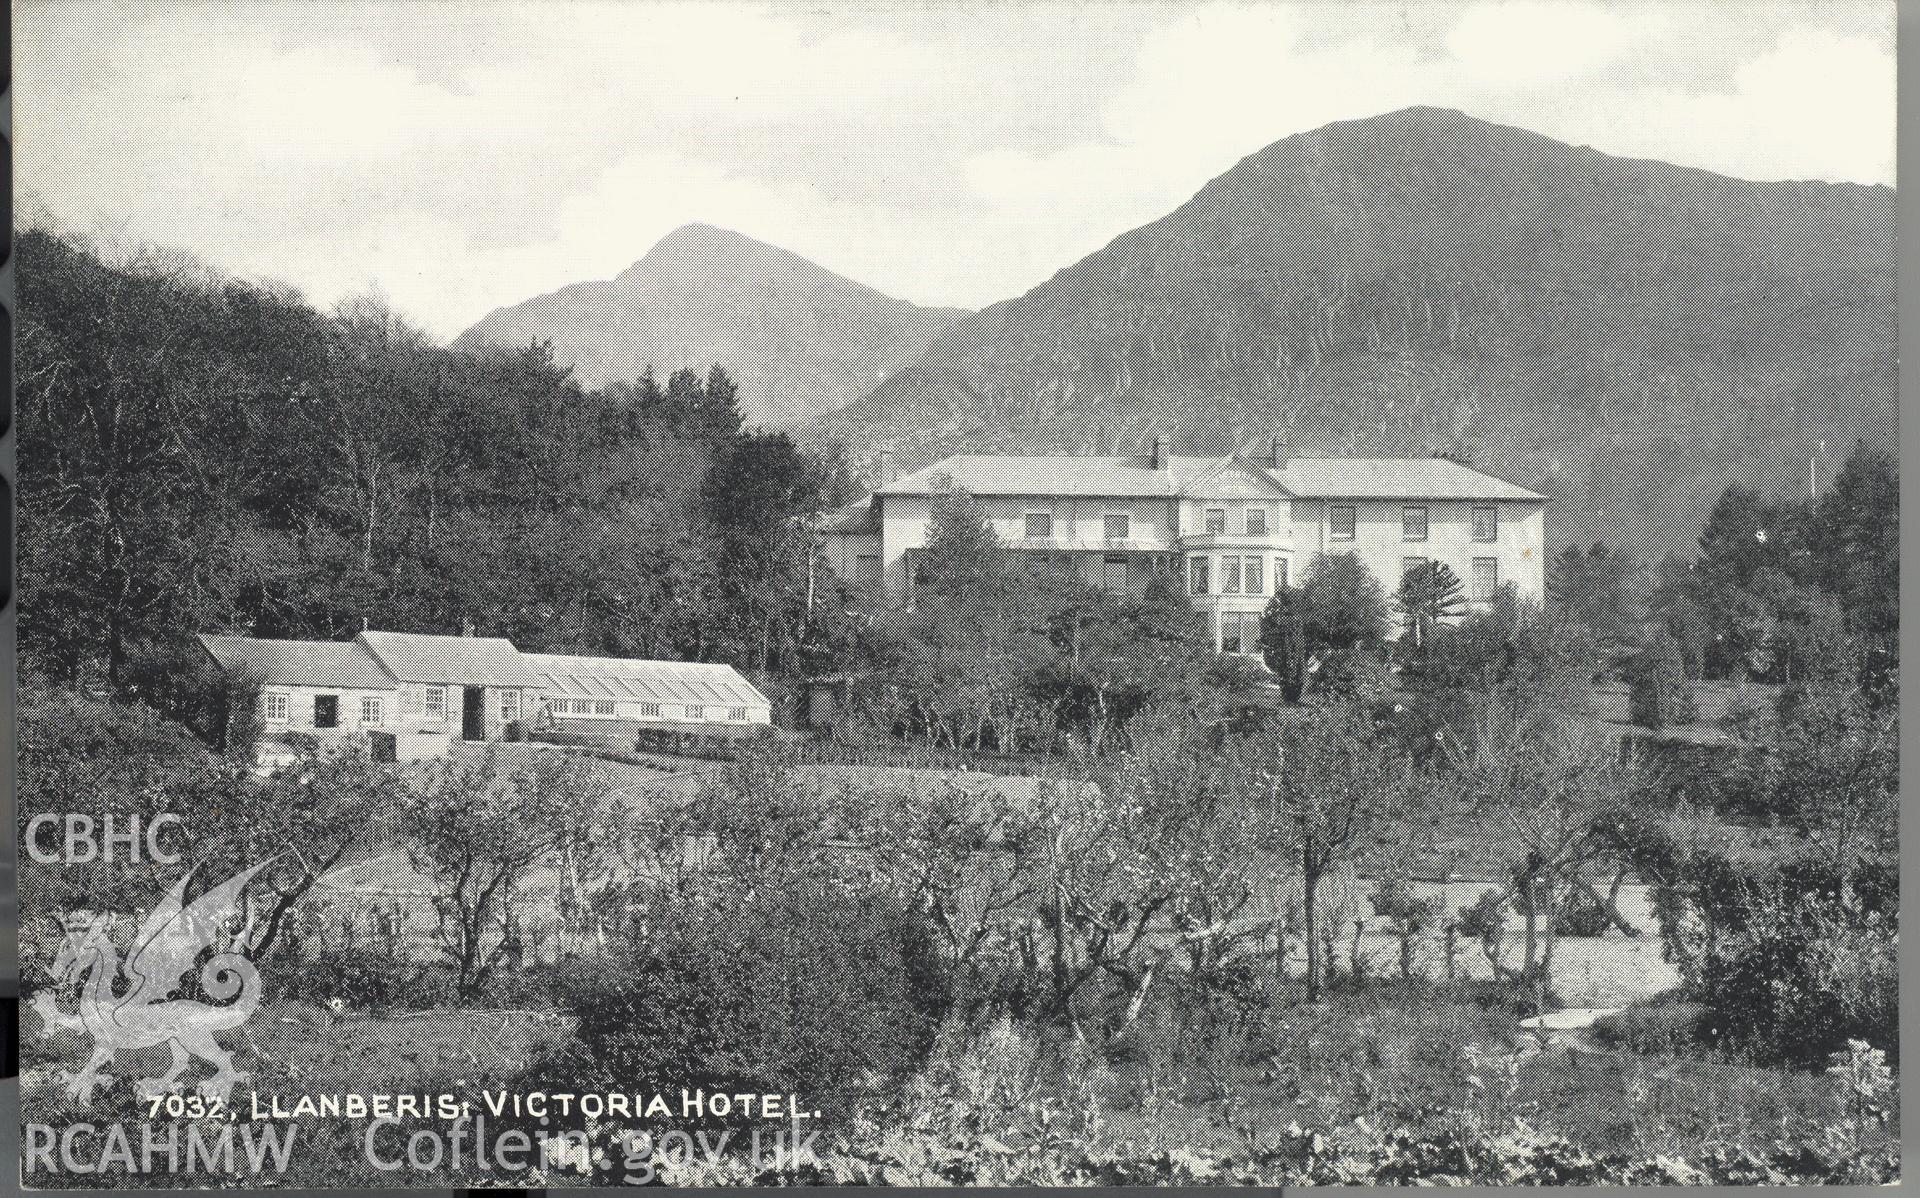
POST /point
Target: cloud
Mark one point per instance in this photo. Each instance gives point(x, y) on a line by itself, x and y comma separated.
point(1532, 44)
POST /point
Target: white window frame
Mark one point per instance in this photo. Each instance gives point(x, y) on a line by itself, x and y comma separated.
point(1253, 574)
point(509, 704)
point(1280, 579)
point(1230, 574)
point(1126, 525)
point(1198, 572)
point(1207, 521)
point(1474, 579)
point(737, 713)
point(649, 711)
point(1039, 536)
point(1260, 511)
point(1492, 512)
point(434, 702)
point(696, 713)
point(1353, 521)
point(1406, 524)
point(373, 711)
point(269, 700)
point(603, 709)
point(1410, 563)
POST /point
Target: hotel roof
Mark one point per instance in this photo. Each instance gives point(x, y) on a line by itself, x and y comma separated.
point(1133, 476)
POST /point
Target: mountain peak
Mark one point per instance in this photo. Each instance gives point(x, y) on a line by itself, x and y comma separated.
point(708, 248)
point(1624, 334)
point(799, 339)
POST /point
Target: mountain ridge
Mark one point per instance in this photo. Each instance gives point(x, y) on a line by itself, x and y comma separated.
point(1626, 334)
point(799, 339)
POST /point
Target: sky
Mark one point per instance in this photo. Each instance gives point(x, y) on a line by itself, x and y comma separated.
point(456, 157)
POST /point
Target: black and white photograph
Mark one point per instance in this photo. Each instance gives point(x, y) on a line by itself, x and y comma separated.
point(916, 593)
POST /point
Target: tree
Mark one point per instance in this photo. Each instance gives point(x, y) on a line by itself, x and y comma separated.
point(1283, 641)
point(1832, 775)
point(1330, 781)
point(1407, 914)
point(1751, 548)
point(762, 494)
point(476, 830)
point(1119, 654)
point(1607, 591)
point(1344, 606)
point(961, 658)
point(323, 807)
point(1674, 603)
point(1557, 788)
point(1855, 540)
point(1429, 593)
point(1659, 695)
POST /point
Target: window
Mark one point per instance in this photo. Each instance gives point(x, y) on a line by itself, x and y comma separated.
point(373, 711)
point(1486, 523)
point(1229, 576)
point(1256, 576)
point(276, 707)
point(326, 711)
point(1279, 574)
point(1256, 522)
point(1216, 520)
point(737, 713)
point(1113, 572)
point(866, 570)
point(1340, 522)
point(1039, 525)
point(1117, 526)
point(1486, 578)
point(436, 702)
point(603, 707)
point(1413, 522)
point(1229, 632)
point(1409, 564)
point(1197, 575)
point(509, 704)
point(1239, 632)
point(696, 713)
point(649, 711)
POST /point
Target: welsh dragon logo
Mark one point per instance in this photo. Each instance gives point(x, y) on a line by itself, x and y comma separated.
point(163, 952)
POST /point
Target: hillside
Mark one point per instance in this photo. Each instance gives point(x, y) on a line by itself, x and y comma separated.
point(1628, 336)
point(800, 339)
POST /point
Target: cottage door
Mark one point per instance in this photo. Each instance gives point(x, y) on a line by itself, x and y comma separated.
point(473, 713)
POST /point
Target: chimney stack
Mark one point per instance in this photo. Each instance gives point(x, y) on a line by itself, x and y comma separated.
point(466, 625)
point(885, 469)
point(1279, 452)
point(1162, 452)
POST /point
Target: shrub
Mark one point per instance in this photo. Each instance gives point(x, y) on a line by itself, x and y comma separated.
point(1582, 915)
point(1661, 1026)
point(363, 980)
point(1807, 973)
point(1660, 695)
point(795, 986)
point(1283, 642)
